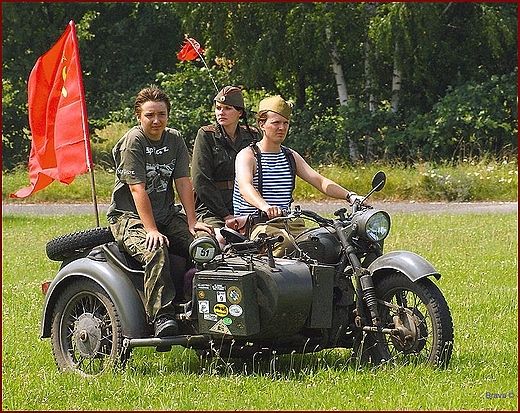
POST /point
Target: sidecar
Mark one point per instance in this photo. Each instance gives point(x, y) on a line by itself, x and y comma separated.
point(240, 303)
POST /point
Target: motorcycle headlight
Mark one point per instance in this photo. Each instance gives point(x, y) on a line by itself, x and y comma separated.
point(373, 225)
point(203, 249)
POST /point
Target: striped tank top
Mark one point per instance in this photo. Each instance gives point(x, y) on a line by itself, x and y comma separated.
point(277, 184)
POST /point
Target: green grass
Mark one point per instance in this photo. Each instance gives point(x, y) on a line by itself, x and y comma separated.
point(476, 254)
point(468, 181)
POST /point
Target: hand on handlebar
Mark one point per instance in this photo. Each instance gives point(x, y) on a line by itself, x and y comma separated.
point(357, 198)
point(272, 211)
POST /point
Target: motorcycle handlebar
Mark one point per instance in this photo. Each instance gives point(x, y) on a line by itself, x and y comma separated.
point(318, 218)
point(257, 242)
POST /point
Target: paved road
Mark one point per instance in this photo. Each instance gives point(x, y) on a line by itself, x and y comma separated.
point(321, 207)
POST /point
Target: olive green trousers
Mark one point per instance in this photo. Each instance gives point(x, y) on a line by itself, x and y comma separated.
point(159, 287)
point(296, 227)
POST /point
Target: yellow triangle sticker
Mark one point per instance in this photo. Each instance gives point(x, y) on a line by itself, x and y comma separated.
point(221, 328)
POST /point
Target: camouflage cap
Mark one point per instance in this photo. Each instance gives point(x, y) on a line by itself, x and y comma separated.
point(276, 104)
point(232, 96)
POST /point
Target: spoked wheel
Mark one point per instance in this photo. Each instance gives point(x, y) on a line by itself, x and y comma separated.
point(86, 331)
point(370, 348)
point(419, 317)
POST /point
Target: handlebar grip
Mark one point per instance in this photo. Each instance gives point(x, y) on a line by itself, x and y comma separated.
point(315, 216)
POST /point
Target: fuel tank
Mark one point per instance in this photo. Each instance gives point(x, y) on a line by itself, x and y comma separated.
point(321, 245)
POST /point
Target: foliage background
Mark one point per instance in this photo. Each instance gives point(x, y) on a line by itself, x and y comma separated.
point(457, 64)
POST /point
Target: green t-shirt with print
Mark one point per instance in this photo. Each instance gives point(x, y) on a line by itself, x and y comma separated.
point(139, 159)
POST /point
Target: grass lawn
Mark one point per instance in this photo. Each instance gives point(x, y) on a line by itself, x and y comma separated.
point(467, 181)
point(476, 254)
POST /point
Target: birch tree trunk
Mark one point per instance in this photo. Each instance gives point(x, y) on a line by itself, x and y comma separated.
point(396, 82)
point(371, 58)
point(341, 85)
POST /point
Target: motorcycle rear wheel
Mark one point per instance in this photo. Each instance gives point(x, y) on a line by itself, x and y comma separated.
point(420, 313)
point(86, 333)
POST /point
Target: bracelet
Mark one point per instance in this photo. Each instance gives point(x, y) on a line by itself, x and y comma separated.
point(349, 194)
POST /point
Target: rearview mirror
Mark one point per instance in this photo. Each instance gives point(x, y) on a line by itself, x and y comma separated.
point(379, 181)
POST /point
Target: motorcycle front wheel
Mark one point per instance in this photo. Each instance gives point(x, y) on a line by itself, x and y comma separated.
point(86, 333)
point(419, 316)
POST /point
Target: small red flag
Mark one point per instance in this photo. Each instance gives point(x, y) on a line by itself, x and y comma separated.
point(60, 147)
point(190, 49)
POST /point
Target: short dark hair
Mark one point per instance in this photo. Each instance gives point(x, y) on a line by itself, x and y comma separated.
point(153, 94)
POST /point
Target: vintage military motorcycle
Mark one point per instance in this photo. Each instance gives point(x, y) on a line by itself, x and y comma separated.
point(336, 290)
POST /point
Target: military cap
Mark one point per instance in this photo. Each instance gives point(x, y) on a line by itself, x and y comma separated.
point(231, 96)
point(276, 104)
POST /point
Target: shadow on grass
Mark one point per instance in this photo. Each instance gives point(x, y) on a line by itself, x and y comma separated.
point(290, 366)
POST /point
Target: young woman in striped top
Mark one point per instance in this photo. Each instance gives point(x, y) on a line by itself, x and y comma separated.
point(277, 183)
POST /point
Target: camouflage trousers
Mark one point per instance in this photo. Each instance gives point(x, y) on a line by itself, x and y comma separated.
point(211, 219)
point(159, 286)
point(296, 227)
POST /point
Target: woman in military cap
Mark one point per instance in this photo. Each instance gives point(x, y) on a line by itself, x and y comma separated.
point(266, 174)
point(214, 153)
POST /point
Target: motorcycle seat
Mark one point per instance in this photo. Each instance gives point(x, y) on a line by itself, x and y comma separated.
point(232, 236)
point(123, 258)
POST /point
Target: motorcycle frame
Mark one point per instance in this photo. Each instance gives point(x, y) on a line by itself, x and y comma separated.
point(408, 263)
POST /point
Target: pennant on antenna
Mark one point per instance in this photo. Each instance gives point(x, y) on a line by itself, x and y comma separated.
point(191, 50)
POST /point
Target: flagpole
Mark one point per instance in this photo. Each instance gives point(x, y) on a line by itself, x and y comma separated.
point(94, 195)
point(203, 61)
point(85, 130)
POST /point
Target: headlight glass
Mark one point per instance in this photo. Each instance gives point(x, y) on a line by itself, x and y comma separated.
point(377, 226)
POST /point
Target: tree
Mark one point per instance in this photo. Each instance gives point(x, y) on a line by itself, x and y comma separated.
point(365, 76)
point(122, 46)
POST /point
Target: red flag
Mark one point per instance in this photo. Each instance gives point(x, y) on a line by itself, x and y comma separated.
point(190, 49)
point(60, 144)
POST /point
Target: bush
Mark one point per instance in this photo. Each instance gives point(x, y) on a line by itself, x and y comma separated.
point(474, 119)
point(103, 142)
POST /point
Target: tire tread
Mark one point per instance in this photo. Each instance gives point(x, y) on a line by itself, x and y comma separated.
point(68, 245)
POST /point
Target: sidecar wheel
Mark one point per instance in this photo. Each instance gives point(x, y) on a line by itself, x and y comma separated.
point(65, 246)
point(421, 315)
point(86, 333)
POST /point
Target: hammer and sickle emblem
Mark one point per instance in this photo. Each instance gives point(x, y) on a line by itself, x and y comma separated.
point(64, 75)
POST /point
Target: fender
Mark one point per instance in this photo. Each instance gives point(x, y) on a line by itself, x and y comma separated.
point(114, 281)
point(409, 263)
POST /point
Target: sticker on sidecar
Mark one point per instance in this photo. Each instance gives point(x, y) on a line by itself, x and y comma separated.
point(204, 306)
point(218, 287)
point(203, 286)
point(221, 310)
point(210, 317)
point(221, 328)
point(221, 296)
point(235, 310)
point(234, 294)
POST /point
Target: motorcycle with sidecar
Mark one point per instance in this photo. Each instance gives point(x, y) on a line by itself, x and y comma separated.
point(336, 290)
